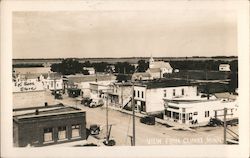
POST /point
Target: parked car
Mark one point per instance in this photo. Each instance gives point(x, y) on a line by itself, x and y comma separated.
point(149, 120)
point(94, 129)
point(86, 101)
point(96, 103)
point(58, 96)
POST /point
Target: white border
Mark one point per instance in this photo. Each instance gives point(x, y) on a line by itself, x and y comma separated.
point(7, 149)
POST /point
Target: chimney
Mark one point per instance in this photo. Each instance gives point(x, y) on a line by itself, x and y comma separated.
point(46, 104)
point(37, 111)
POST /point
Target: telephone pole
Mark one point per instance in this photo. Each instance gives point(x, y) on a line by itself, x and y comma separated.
point(133, 109)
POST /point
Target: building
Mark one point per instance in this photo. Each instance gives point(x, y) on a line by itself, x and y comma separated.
point(28, 83)
point(48, 125)
point(83, 81)
point(199, 112)
point(149, 96)
point(158, 68)
point(141, 76)
point(224, 67)
point(54, 82)
point(119, 94)
point(91, 70)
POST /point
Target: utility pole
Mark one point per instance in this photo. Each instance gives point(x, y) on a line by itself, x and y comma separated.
point(133, 109)
point(225, 126)
point(107, 122)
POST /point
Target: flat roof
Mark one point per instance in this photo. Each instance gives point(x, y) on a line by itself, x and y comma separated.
point(44, 111)
point(163, 83)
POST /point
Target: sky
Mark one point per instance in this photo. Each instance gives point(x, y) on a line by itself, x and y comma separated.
point(173, 32)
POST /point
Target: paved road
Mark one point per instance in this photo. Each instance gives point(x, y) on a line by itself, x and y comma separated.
point(145, 134)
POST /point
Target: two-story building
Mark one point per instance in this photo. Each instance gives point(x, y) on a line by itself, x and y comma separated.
point(119, 94)
point(149, 96)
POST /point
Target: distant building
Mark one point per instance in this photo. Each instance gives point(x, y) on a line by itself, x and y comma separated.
point(224, 67)
point(156, 70)
point(141, 76)
point(48, 125)
point(91, 70)
point(149, 96)
point(83, 81)
point(199, 112)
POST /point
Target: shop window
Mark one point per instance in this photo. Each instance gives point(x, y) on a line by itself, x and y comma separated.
point(62, 133)
point(48, 134)
point(206, 113)
point(75, 131)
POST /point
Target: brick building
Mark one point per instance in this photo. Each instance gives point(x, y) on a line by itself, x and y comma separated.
point(48, 125)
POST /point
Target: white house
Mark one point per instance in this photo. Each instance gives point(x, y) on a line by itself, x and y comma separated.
point(198, 111)
point(149, 96)
point(224, 67)
point(54, 81)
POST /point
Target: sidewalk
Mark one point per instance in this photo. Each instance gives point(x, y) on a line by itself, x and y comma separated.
point(158, 120)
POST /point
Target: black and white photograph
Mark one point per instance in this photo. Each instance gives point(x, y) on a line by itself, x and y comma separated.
point(134, 74)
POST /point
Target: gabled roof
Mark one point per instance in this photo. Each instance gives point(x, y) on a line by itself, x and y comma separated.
point(90, 78)
point(161, 64)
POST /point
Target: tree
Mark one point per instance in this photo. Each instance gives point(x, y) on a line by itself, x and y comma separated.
point(124, 67)
point(68, 66)
point(142, 66)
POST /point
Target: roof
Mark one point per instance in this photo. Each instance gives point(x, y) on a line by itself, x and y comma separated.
point(52, 110)
point(89, 78)
point(154, 70)
point(226, 95)
point(161, 64)
point(54, 75)
point(141, 74)
point(33, 75)
point(163, 83)
point(89, 68)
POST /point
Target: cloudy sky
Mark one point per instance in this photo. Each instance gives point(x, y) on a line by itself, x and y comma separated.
point(189, 31)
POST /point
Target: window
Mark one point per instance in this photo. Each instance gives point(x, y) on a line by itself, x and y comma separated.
point(51, 83)
point(195, 113)
point(134, 93)
point(48, 134)
point(206, 113)
point(142, 94)
point(138, 94)
point(62, 133)
point(75, 131)
point(165, 93)
point(190, 116)
point(182, 91)
point(173, 92)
